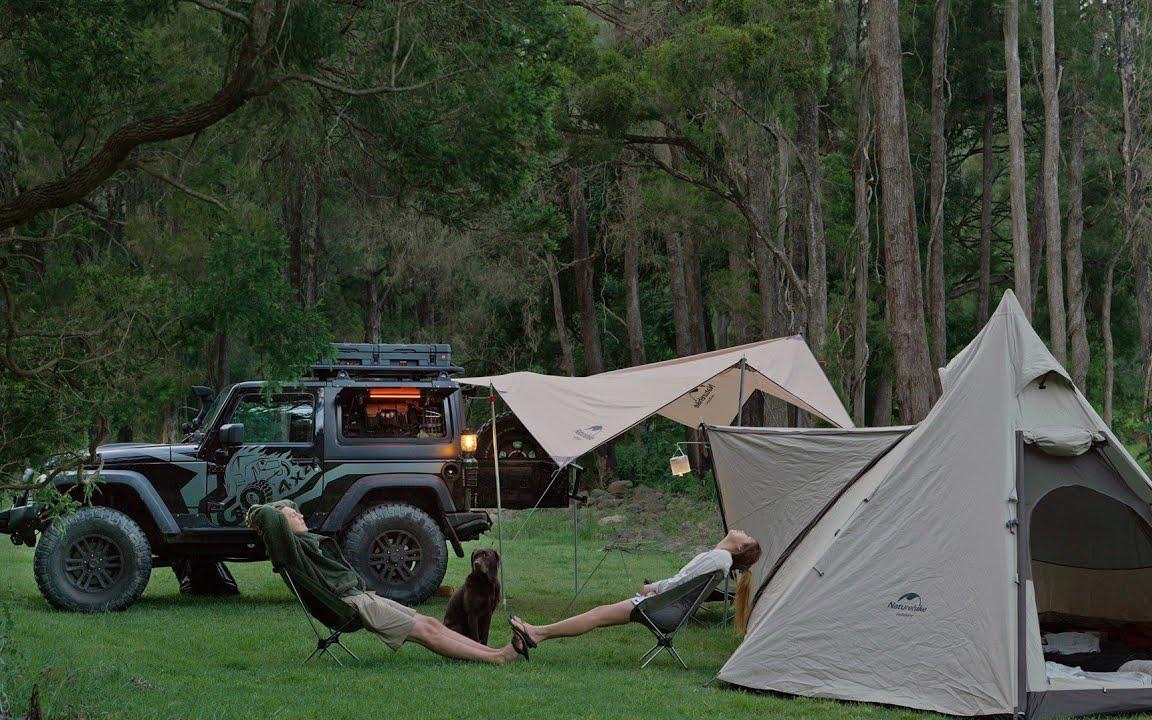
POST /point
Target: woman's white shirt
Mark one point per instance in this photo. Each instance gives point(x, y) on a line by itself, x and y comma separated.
point(703, 564)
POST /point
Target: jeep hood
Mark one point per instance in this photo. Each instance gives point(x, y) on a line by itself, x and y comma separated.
point(133, 453)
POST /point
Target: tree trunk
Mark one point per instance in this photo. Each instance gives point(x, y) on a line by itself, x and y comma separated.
point(1057, 320)
point(938, 174)
point(694, 294)
point(373, 308)
point(1080, 354)
point(863, 197)
point(984, 299)
point(585, 292)
point(301, 216)
point(1130, 145)
point(914, 387)
point(761, 197)
point(558, 317)
point(1020, 249)
point(1037, 236)
point(765, 199)
point(882, 403)
point(632, 317)
point(678, 294)
point(586, 298)
point(1106, 332)
point(808, 147)
point(221, 361)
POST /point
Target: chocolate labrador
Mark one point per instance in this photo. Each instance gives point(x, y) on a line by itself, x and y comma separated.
point(470, 609)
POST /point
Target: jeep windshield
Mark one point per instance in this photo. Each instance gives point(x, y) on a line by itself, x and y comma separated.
point(213, 413)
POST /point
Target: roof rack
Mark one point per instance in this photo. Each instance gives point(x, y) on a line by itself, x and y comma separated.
point(384, 360)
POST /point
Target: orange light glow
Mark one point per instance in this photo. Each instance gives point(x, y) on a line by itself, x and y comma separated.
point(400, 393)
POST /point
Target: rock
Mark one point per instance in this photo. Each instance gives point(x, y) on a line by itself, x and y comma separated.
point(611, 519)
point(619, 488)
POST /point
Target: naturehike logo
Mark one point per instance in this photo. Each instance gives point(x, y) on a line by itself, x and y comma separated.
point(590, 432)
point(701, 395)
point(908, 603)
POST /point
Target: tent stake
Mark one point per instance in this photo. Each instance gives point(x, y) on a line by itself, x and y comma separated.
point(499, 502)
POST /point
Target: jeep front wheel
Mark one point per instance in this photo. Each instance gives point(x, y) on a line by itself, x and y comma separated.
point(399, 551)
point(94, 560)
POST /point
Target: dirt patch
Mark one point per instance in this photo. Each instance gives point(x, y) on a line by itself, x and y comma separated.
point(643, 516)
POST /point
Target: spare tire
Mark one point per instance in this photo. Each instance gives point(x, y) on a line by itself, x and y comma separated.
point(95, 560)
point(513, 440)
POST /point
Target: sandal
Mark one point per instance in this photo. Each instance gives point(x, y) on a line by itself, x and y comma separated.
point(521, 648)
point(521, 633)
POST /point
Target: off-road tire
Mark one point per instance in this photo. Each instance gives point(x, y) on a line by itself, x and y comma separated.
point(95, 560)
point(379, 546)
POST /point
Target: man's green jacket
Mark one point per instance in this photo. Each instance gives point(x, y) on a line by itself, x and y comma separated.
point(303, 554)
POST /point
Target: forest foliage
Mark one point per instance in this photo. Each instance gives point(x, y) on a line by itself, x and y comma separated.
point(205, 191)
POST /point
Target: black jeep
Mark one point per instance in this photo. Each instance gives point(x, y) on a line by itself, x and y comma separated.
point(368, 446)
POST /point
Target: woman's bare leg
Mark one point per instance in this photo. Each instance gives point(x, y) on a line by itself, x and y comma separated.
point(597, 617)
point(432, 634)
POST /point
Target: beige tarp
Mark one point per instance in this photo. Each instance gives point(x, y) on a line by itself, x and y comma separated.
point(774, 481)
point(571, 416)
point(905, 591)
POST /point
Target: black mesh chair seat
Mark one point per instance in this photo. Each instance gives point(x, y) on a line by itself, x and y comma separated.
point(320, 605)
point(665, 613)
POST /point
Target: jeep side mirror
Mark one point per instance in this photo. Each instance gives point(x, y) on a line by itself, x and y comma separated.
point(232, 434)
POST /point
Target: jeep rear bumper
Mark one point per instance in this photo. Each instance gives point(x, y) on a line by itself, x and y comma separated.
point(470, 524)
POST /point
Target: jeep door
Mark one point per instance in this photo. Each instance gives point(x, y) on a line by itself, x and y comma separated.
point(280, 457)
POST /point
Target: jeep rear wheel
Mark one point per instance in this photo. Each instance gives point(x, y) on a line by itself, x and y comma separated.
point(399, 551)
point(94, 560)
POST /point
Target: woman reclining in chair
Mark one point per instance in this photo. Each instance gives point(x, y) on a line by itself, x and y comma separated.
point(737, 551)
point(291, 547)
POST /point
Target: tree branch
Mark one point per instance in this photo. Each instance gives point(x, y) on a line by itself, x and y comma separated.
point(732, 195)
point(137, 165)
point(355, 92)
point(226, 11)
point(237, 91)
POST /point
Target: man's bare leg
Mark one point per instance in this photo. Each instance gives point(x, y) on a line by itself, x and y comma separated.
point(597, 617)
point(432, 634)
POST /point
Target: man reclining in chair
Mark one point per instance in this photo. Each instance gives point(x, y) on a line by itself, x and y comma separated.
point(291, 547)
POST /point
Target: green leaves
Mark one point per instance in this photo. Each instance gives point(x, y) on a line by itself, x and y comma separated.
point(244, 293)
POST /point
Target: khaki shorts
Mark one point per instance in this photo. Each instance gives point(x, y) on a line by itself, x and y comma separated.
point(390, 620)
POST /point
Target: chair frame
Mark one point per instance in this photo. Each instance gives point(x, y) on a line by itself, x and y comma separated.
point(324, 642)
point(665, 640)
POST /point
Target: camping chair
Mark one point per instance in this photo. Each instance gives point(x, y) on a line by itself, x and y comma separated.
point(664, 614)
point(724, 592)
point(334, 614)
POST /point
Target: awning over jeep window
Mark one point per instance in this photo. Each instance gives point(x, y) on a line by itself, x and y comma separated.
point(572, 416)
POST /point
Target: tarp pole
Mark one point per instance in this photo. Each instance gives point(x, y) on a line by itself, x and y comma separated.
point(740, 395)
point(575, 531)
point(499, 502)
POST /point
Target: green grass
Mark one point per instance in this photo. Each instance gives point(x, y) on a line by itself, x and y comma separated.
point(171, 656)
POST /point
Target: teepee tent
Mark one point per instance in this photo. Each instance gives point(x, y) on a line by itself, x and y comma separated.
point(924, 580)
point(773, 482)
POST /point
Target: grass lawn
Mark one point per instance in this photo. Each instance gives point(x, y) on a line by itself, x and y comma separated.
point(171, 656)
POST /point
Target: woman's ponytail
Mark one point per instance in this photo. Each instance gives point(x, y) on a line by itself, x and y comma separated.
point(742, 562)
point(743, 604)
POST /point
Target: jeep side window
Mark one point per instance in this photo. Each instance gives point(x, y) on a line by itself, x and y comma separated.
point(286, 418)
point(390, 413)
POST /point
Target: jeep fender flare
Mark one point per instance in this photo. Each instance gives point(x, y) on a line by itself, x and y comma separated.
point(342, 514)
point(159, 512)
